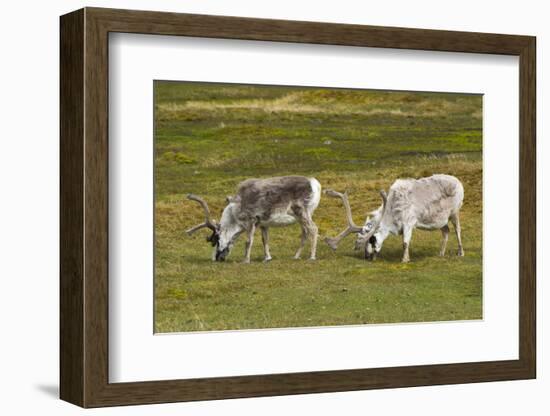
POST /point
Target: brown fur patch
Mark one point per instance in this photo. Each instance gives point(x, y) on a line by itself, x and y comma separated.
point(260, 197)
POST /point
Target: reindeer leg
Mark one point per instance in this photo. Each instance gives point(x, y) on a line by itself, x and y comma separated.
point(407, 234)
point(303, 239)
point(456, 222)
point(265, 241)
point(313, 232)
point(249, 241)
point(444, 239)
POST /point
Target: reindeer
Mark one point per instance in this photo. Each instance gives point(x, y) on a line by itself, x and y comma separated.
point(426, 203)
point(263, 203)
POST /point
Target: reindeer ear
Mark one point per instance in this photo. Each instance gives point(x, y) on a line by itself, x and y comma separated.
point(229, 199)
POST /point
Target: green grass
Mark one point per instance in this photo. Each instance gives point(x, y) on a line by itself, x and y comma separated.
point(209, 137)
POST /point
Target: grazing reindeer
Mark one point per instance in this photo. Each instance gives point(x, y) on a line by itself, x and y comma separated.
point(426, 203)
point(263, 203)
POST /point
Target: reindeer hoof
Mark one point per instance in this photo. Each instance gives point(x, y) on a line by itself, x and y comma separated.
point(460, 253)
point(246, 261)
point(267, 259)
point(312, 259)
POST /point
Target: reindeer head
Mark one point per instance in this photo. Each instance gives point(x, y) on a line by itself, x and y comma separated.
point(373, 244)
point(224, 233)
point(367, 235)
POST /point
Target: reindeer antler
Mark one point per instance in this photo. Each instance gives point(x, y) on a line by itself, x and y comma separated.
point(352, 228)
point(208, 222)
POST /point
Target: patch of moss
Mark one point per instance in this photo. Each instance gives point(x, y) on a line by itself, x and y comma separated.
point(178, 157)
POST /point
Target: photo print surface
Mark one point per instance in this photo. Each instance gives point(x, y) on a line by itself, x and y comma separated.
point(282, 206)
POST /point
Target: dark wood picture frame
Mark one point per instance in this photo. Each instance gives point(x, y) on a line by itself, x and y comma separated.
point(84, 207)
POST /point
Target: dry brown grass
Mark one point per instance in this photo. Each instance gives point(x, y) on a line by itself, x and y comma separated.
point(301, 102)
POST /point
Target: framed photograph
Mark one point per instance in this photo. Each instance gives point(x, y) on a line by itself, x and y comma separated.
point(254, 207)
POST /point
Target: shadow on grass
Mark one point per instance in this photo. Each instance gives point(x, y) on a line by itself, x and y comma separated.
point(395, 256)
point(389, 255)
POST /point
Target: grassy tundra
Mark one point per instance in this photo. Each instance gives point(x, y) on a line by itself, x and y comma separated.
point(209, 137)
